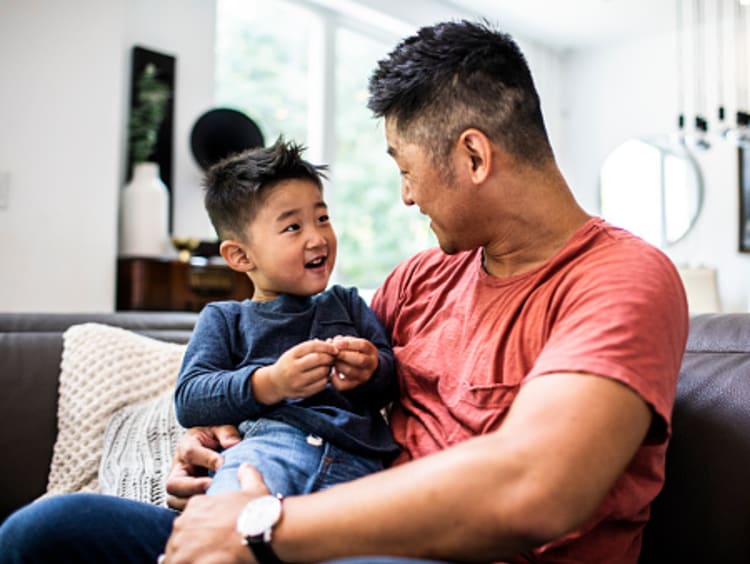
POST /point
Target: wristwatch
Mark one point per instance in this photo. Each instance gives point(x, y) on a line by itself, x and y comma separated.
point(255, 523)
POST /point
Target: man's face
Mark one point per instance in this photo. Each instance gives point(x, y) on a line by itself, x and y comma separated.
point(291, 242)
point(434, 192)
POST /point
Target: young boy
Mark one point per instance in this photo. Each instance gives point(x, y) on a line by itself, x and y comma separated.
point(303, 371)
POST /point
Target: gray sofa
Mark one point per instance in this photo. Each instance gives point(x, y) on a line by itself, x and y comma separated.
point(30, 353)
point(702, 515)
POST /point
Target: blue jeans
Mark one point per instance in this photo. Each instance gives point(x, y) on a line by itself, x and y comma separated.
point(98, 529)
point(85, 528)
point(291, 461)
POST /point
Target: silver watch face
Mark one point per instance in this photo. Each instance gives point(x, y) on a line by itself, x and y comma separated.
point(259, 516)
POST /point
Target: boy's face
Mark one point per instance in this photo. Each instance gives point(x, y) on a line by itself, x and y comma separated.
point(291, 244)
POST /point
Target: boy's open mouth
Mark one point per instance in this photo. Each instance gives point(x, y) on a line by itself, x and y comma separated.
point(316, 262)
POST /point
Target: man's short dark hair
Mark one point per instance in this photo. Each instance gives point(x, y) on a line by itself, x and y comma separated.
point(236, 186)
point(456, 75)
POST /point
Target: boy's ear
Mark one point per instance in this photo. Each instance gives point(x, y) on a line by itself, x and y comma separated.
point(236, 256)
point(476, 151)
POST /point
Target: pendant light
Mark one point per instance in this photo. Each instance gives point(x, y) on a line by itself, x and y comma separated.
point(680, 41)
point(719, 39)
point(740, 133)
point(700, 139)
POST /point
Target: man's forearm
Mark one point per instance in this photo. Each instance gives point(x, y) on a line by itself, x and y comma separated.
point(431, 508)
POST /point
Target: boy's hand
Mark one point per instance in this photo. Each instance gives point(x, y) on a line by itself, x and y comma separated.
point(300, 372)
point(355, 363)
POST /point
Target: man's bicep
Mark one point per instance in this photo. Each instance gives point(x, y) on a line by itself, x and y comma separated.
point(582, 430)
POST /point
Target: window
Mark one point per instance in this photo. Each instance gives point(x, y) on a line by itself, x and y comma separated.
point(262, 69)
point(281, 77)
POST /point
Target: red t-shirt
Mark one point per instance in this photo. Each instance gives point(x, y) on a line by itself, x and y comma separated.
point(465, 342)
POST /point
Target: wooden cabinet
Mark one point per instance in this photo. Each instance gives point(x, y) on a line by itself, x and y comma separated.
point(170, 285)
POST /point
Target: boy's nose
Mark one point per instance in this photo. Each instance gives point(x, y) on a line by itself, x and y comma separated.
point(316, 239)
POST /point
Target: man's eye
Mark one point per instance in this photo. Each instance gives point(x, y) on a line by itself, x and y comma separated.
point(292, 227)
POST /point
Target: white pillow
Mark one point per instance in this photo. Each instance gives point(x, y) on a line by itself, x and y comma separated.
point(103, 370)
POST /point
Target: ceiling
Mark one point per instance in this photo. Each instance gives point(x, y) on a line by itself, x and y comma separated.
point(576, 24)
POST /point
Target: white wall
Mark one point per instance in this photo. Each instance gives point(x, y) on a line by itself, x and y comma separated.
point(65, 87)
point(59, 140)
point(630, 90)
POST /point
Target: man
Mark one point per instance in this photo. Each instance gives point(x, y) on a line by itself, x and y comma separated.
point(538, 351)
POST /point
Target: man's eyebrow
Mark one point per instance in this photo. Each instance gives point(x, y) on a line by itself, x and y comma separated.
point(391, 151)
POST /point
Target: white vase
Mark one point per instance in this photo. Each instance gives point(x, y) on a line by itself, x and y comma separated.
point(144, 214)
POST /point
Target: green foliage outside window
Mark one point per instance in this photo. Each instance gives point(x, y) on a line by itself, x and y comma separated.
point(262, 70)
point(376, 229)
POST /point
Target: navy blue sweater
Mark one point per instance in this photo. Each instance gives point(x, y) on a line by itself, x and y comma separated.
point(232, 340)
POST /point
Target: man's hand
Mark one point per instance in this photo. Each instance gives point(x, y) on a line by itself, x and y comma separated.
point(196, 453)
point(206, 532)
point(355, 363)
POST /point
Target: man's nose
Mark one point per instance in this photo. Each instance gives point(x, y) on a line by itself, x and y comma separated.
point(406, 194)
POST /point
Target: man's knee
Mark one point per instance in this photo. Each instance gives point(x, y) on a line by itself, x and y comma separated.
point(32, 533)
point(85, 528)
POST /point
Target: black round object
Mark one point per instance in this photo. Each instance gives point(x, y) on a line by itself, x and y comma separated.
point(221, 132)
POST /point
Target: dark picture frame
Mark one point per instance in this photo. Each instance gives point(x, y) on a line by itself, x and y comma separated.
point(744, 176)
point(163, 150)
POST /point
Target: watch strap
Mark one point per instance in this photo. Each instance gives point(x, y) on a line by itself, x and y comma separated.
point(262, 550)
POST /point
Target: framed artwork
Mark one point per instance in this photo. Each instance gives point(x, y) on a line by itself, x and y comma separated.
point(162, 152)
point(744, 175)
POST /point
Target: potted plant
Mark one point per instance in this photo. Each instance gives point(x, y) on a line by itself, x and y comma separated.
point(147, 115)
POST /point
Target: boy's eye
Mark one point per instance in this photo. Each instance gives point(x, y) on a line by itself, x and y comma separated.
point(324, 218)
point(292, 227)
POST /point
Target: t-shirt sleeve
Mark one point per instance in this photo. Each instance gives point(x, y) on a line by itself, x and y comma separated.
point(624, 319)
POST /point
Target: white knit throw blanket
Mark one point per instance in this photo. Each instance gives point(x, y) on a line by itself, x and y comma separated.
point(138, 446)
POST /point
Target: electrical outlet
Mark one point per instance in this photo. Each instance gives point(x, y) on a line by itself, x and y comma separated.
point(4, 189)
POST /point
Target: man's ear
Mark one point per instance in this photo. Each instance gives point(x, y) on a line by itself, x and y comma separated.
point(475, 154)
point(236, 256)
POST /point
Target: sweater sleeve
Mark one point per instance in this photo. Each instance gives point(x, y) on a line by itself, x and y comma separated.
point(211, 388)
point(382, 388)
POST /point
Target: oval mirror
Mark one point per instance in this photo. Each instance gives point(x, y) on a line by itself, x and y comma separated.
point(652, 189)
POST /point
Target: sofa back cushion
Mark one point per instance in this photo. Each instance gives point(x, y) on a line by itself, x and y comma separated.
point(703, 512)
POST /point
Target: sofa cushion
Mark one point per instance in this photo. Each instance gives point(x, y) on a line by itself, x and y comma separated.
point(103, 370)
